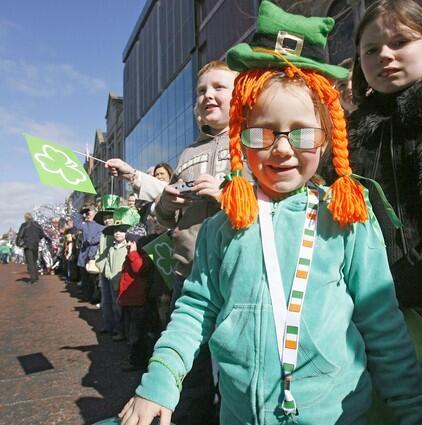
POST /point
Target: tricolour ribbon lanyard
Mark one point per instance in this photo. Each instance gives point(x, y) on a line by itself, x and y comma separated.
point(287, 318)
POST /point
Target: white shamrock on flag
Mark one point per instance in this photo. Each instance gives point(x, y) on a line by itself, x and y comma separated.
point(56, 161)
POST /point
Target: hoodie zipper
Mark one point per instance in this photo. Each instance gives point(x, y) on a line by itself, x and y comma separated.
point(394, 172)
point(396, 190)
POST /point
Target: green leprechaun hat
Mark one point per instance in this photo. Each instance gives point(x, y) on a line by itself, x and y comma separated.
point(123, 218)
point(108, 204)
point(299, 39)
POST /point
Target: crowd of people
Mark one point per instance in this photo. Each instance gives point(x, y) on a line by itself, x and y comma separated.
point(297, 236)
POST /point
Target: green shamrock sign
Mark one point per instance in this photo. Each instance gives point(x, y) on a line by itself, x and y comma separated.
point(161, 252)
point(58, 166)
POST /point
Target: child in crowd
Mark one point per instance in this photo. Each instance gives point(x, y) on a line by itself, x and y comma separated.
point(110, 266)
point(386, 131)
point(292, 291)
point(205, 163)
point(104, 217)
point(133, 300)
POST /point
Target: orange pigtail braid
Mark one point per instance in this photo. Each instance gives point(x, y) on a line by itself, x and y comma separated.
point(347, 204)
point(238, 198)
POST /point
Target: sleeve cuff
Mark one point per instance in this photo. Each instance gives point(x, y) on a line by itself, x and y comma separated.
point(159, 385)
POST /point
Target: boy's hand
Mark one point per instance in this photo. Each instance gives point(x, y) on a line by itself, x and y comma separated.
point(207, 185)
point(169, 199)
point(119, 168)
point(139, 411)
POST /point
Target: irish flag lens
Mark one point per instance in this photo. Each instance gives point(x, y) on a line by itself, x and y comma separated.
point(299, 138)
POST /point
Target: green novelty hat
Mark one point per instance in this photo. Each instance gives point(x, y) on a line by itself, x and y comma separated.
point(123, 218)
point(108, 204)
point(299, 39)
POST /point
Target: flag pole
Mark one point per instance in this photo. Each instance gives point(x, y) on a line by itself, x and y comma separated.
point(90, 156)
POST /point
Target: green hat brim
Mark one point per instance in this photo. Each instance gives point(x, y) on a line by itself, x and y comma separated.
point(242, 57)
point(109, 230)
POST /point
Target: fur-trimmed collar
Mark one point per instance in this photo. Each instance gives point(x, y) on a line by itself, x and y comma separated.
point(405, 106)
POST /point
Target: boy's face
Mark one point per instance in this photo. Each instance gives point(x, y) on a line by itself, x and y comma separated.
point(214, 92)
point(108, 219)
point(119, 235)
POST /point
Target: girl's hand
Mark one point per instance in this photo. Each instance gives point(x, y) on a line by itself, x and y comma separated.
point(119, 168)
point(132, 246)
point(169, 199)
point(207, 185)
point(139, 411)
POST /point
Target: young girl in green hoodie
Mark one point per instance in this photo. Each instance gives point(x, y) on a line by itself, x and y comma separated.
point(290, 285)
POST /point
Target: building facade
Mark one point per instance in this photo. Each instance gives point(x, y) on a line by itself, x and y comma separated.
point(109, 144)
point(172, 40)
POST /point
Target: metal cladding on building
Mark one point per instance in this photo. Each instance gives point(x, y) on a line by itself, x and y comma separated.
point(171, 41)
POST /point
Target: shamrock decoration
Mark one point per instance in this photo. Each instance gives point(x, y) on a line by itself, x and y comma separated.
point(163, 259)
point(56, 161)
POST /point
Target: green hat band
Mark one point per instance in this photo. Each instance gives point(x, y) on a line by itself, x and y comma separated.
point(284, 39)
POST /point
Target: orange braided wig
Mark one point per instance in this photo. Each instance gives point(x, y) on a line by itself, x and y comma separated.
point(347, 204)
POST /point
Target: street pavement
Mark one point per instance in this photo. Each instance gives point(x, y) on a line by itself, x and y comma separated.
point(55, 366)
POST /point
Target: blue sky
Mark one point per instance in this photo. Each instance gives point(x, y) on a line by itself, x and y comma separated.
point(58, 62)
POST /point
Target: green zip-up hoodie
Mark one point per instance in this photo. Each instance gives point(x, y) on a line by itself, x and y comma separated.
point(352, 332)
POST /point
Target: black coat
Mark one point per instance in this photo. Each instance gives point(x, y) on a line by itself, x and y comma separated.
point(29, 235)
point(386, 144)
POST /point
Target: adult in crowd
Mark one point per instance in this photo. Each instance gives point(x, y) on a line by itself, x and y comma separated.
point(29, 235)
point(90, 238)
point(163, 172)
point(145, 185)
point(131, 200)
point(345, 88)
point(69, 250)
point(5, 250)
point(386, 131)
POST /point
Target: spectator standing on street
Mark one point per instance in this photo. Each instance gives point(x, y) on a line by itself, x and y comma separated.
point(109, 263)
point(5, 251)
point(133, 300)
point(29, 235)
point(105, 217)
point(90, 238)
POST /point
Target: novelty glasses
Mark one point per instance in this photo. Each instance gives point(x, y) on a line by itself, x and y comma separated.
point(299, 138)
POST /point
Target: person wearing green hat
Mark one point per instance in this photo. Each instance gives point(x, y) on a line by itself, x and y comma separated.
point(290, 284)
point(109, 263)
point(105, 217)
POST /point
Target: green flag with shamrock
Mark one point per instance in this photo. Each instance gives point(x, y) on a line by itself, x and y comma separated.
point(58, 166)
point(161, 252)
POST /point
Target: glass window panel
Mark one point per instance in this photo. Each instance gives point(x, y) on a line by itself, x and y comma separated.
point(172, 140)
point(171, 102)
point(180, 133)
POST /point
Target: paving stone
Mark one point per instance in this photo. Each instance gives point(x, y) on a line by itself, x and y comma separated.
point(85, 384)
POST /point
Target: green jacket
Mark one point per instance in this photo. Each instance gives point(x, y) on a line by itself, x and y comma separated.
point(350, 324)
point(110, 258)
